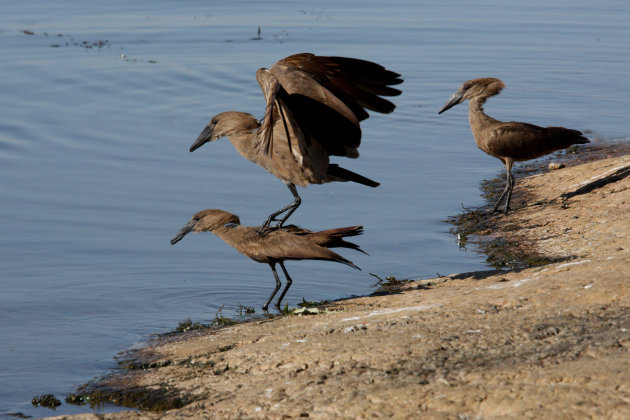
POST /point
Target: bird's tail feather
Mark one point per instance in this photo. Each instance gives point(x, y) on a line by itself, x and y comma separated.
point(345, 175)
point(348, 262)
point(333, 238)
point(566, 136)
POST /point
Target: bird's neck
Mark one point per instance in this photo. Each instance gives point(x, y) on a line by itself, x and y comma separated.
point(479, 120)
point(234, 235)
point(476, 112)
point(244, 141)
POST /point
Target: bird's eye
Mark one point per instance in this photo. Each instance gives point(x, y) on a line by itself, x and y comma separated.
point(214, 122)
point(196, 219)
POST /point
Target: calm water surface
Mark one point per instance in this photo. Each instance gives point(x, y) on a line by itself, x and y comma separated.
point(96, 177)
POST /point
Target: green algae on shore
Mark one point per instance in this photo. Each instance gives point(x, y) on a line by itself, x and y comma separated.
point(46, 400)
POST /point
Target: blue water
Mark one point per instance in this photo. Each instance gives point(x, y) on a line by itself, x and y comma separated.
point(96, 177)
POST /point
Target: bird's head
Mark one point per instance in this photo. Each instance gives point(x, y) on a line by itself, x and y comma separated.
point(476, 88)
point(205, 221)
point(224, 124)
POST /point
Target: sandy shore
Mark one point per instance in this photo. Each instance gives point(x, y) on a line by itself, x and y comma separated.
point(536, 342)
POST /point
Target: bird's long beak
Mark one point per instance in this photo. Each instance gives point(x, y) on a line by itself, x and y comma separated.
point(188, 227)
point(204, 137)
point(457, 98)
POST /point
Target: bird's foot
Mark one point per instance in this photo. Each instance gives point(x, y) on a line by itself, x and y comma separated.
point(262, 232)
point(265, 227)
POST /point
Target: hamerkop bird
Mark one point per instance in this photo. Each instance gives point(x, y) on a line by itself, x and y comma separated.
point(508, 141)
point(275, 247)
point(314, 105)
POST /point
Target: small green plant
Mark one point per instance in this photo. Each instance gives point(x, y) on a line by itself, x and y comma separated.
point(285, 310)
point(189, 325)
point(311, 304)
point(245, 310)
point(389, 284)
point(75, 399)
point(46, 400)
point(222, 320)
point(160, 399)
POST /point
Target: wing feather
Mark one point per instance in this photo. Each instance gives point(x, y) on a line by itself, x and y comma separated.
point(297, 82)
point(523, 141)
point(270, 87)
point(314, 105)
point(356, 82)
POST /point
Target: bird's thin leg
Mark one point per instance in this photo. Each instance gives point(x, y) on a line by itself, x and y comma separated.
point(289, 209)
point(511, 184)
point(278, 284)
point(286, 287)
point(507, 187)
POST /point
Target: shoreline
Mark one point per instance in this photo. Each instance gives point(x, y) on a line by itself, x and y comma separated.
point(548, 332)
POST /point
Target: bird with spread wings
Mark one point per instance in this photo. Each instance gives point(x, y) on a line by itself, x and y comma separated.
point(314, 106)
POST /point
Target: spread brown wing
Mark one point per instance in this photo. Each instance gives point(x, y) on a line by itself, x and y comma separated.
point(285, 133)
point(358, 83)
point(270, 87)
point(294, 99)
point(327, 97)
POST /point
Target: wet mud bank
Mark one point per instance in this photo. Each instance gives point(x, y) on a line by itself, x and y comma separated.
point(545, 332)
point(501, 238)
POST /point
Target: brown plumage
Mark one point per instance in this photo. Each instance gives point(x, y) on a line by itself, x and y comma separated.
point(508, 141)
point(314, 106)
point(275, 247)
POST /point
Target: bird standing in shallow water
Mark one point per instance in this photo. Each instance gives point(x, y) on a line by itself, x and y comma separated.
point(314, 105)
point(508, 141)
point(275, 247)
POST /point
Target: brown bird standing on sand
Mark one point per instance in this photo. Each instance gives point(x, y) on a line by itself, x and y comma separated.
point(314, 105)
point(508, 141)
point(277, 246)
